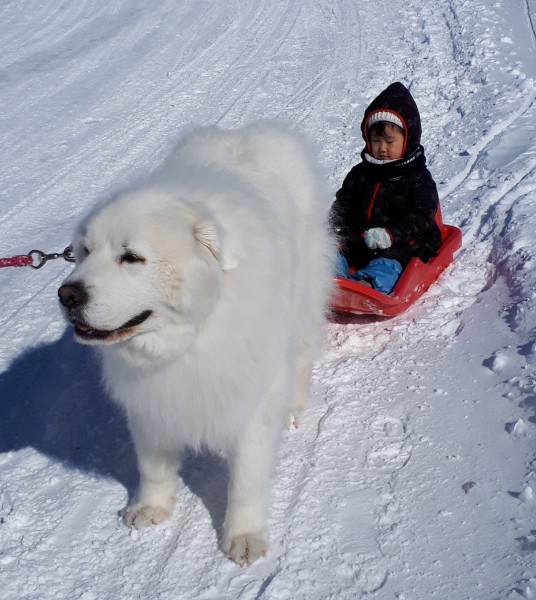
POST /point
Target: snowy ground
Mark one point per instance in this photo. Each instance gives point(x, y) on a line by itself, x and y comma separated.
point(413, 474)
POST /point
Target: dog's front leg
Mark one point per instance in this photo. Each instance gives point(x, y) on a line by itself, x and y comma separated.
point(155, 498)
point(245, 534)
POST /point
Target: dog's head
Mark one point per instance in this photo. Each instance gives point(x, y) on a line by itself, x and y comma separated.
point(149, 269)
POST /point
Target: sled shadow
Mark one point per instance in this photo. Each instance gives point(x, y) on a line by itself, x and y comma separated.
point(348, 318)
point(52, 400)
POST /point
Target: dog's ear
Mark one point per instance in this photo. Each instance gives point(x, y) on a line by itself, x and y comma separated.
point(207, 234)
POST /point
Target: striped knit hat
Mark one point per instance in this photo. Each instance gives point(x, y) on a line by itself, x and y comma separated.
point(384, 115)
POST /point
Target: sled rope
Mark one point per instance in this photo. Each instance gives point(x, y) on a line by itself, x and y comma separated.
point(36, 258)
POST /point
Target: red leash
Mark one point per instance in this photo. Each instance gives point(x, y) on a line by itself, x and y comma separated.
point(22, 260)
point(36, 259)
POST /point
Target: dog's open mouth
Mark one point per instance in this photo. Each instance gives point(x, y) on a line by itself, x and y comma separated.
point(85, 332)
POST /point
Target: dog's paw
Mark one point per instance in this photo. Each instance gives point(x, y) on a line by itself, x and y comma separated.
point(246, 549)
point(142, 516)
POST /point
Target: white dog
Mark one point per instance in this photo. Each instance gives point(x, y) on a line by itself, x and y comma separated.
point(206, 291)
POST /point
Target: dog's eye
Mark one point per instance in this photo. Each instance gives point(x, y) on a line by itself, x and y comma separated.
point(130, 257)
point(85, 251)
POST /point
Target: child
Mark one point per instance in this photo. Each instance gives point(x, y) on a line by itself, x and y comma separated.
point(384, 212)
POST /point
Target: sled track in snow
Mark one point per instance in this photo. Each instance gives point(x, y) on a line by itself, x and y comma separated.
point(530, 22)
point(488, 140)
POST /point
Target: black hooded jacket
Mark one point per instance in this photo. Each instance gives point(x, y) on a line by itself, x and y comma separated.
point(399, 196)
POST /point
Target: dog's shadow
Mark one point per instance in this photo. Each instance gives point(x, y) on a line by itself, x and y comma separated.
point(51, 399)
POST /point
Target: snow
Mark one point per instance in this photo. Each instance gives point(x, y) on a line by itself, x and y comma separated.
point(412, 475)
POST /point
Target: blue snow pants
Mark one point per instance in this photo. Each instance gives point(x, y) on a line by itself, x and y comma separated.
point(381, 273)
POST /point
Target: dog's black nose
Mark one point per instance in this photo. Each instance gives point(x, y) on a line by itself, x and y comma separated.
point(72, 295)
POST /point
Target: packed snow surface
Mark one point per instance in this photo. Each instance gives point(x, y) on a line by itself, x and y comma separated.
point(413, 474)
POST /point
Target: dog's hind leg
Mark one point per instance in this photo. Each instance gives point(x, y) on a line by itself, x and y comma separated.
point(303, 372)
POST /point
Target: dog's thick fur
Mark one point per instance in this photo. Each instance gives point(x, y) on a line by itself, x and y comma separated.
point(205, 291)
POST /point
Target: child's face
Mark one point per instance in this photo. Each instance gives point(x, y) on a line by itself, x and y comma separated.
point(389, 145)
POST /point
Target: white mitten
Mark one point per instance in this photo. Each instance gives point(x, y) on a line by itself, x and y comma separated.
point(377, 238)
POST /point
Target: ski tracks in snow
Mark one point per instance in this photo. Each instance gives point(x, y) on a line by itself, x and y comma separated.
point(494, 178)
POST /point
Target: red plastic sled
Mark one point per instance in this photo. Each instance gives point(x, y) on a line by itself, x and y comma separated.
point(416, 278)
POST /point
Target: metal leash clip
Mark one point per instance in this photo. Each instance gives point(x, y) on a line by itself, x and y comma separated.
point(39, 258)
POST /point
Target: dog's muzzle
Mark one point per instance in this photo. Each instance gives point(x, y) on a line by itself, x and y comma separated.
point(74, 296)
